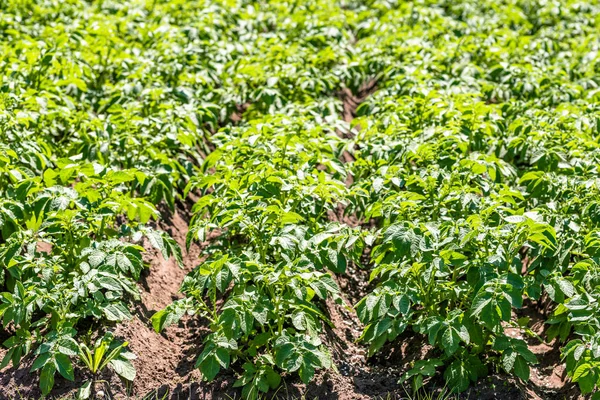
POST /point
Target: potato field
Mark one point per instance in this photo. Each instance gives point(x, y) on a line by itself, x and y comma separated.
point(300, 199)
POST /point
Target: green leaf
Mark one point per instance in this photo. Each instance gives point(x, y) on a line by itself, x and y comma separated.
point(210, 367)
point(450, 341)
point(47, 378)
point(463, 333)
point(40, 361)
point(156, 240)
point(480, 302)
point(521, 368)
point(283, 352)
point(124, 368)
point(7, 358)
point(457, 376)
point(273, 378)
point(401, 236)
point(306, 372)
point(109, 283)
point(64, 366)
point(85, 391)
point(117, 312)
point(158, 320)
point(96, 258)
point(508, 360)
point(222, 356)
point(404, 304)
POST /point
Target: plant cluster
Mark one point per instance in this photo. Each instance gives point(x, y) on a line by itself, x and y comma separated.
point(470, 178)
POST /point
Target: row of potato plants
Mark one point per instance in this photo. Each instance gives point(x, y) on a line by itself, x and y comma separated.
point(477, 161)
point(269, 267)
point(71, 251)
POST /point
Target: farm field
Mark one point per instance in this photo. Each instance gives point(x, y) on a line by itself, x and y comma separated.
point(303, 199)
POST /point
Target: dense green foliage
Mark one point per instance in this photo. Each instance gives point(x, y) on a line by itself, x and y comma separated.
point(472, 171)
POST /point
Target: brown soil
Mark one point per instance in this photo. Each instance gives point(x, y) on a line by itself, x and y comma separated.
point(351, 101)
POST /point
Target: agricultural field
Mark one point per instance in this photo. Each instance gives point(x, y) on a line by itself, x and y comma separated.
point(303, 199)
